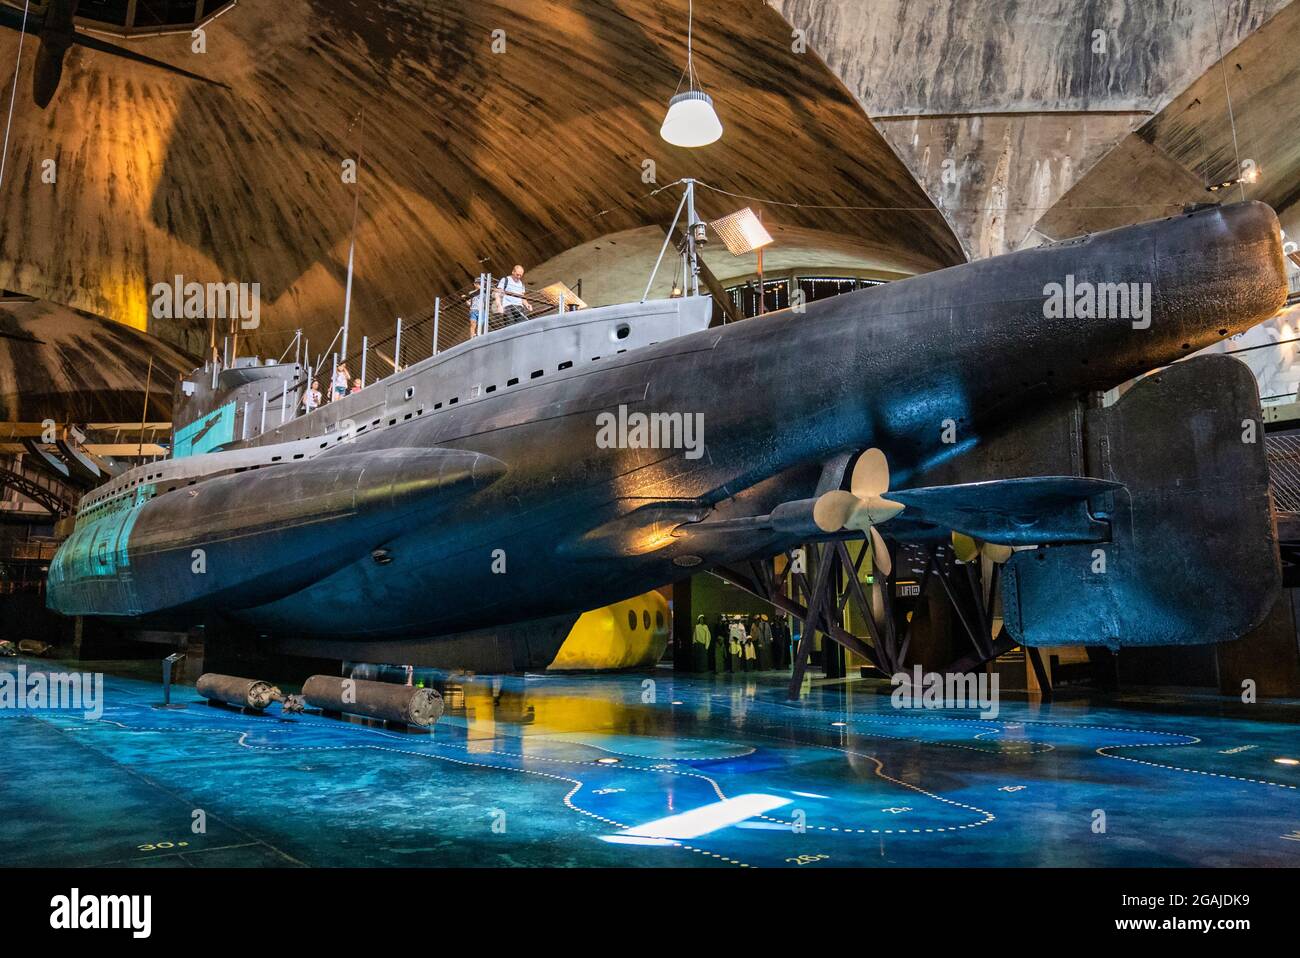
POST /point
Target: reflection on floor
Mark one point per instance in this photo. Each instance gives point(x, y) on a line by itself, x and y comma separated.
point(651, 769)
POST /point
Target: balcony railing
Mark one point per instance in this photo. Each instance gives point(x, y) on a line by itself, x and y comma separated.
point(478, 310)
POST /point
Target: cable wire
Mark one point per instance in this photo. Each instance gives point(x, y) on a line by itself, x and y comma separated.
point(1232, 121)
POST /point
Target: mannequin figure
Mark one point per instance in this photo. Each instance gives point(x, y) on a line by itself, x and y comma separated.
point(775, 628)
point(700, 646)
point(736, 645)
point(762, 637)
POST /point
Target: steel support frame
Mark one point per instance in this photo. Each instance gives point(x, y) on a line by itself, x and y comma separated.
point(822, 604)
point(821, 598)
point(986, 646)
point(57, 498)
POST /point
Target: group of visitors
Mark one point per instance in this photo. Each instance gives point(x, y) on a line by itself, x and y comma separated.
point(739, 643)
point(344, 384)
point(509, 303)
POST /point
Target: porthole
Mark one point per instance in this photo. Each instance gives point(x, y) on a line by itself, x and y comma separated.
point(537, 373)
point(622, 331)
point(513, 382)
point(410, 391)
point(491, 389)
point(567, 364)
point(631, 620)
point(645, 619)
point(659, 620)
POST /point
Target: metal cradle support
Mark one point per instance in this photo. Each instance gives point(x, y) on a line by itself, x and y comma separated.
point(830, 579)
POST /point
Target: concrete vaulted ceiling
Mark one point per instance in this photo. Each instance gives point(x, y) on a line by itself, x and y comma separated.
point(1046, 118)
point(1195, 140)
point(60, 365)
point(470, 159)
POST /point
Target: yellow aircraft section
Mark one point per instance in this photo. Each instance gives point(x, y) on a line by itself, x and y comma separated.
point(626, 635)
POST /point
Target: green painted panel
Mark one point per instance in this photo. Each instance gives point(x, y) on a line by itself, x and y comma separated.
point(205, 433)
point(98, 549)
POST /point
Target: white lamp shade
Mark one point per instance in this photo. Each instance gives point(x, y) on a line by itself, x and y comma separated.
point(691, 120)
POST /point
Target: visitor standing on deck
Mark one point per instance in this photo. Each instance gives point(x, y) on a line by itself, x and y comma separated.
point(311, 398)
point(342, 377)
point(509, 295)
point(478, 311)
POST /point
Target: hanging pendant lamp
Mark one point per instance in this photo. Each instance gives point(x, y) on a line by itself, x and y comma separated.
point(691, 120)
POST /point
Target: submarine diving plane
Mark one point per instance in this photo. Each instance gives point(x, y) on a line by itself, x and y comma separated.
point(463, 512)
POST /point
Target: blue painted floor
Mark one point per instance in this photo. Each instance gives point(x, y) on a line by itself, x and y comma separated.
point(546, 770)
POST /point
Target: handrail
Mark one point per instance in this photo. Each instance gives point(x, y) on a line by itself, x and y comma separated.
point(448, 322)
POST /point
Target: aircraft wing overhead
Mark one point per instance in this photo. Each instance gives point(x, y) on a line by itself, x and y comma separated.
point(1027, 511)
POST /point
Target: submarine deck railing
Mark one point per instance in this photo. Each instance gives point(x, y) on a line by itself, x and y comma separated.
point(447, 323)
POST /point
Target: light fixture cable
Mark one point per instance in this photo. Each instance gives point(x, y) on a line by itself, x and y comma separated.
point(690, 25)
point(1227, 93)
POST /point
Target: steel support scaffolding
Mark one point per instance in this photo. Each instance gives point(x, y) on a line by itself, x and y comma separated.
point(820, 595)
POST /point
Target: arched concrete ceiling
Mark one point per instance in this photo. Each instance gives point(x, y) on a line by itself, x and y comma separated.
point(1190, 143)
point(999, 108)
point(1193, 141)
point(472, 159)
point(58, 364)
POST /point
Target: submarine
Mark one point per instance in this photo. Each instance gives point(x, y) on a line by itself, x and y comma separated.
point(465, 510)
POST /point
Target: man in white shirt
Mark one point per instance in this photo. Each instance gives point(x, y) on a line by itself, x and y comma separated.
point(510, 300)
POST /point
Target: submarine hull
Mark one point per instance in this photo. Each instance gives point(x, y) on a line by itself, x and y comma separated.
point(568, 523)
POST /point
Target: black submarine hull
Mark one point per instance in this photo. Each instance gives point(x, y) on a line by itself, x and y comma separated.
point(566, 524)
